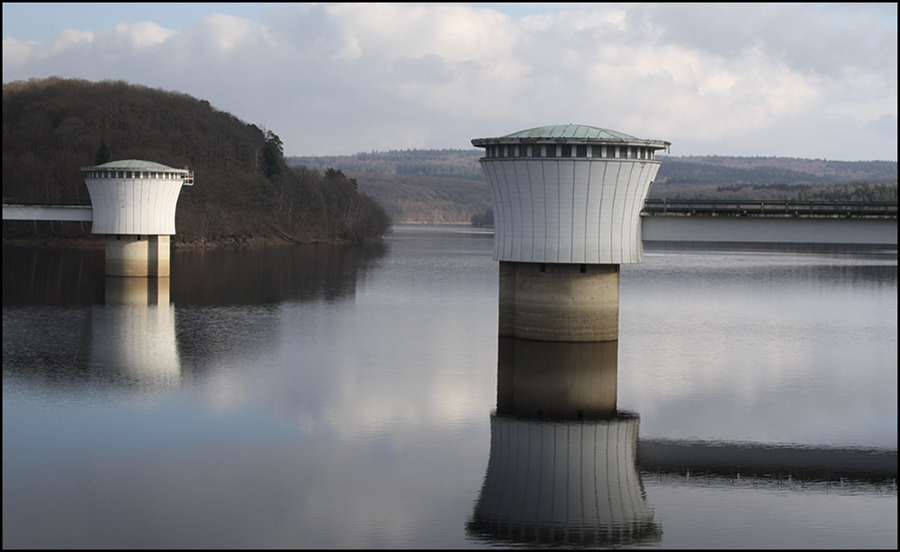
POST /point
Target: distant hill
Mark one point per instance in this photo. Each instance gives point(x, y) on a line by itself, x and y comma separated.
point(425, 186)
point(780, 170)
point(243, 188)
point(765, 177)
point(445, 163)
point(419, 198)
point(449, 186)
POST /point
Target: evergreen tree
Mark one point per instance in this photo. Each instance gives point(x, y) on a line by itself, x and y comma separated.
point(103, 155)
point(273, 155)
point(334, 174)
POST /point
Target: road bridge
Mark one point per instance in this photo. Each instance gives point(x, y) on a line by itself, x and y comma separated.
point(35, 209)
point(770, 228)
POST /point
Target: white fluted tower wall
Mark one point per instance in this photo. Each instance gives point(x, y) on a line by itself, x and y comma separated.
point(568, 194)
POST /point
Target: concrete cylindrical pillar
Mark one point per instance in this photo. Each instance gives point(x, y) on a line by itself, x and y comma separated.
point(507, 299)
point(559, 302)
point(137, 291)
point(138, 256)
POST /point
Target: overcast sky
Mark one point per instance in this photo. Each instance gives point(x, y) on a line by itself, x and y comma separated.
point(787, 80)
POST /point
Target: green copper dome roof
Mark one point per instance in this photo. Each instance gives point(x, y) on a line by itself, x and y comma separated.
point(575, 133)
point(134, 164)
point(571, 131)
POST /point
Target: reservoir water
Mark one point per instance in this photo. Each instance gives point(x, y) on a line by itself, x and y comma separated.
point(326, 397)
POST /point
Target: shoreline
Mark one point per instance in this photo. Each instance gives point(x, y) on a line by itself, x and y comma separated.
point(231, 242)
point(227, 242)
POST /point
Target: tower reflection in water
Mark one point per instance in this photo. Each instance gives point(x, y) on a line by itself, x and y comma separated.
point(562, 468)
point(133, 334)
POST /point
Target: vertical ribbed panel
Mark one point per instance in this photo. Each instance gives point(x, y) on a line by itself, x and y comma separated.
point(568, 210)
point(133, 206)
point(564, 481)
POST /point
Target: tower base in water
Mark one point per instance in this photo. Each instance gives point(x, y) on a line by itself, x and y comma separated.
point(138, 256)
point(559, 302)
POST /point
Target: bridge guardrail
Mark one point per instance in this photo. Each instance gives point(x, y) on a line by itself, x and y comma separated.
point(45, 202)
point(743, 207)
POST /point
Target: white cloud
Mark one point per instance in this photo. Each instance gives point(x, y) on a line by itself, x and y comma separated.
point(223, 35)
point(18, 52)
point(742, 79)
point(141, 36)
point(396, 31)
point(70, 39)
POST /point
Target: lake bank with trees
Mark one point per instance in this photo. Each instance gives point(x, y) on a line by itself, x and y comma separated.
point(245, 192)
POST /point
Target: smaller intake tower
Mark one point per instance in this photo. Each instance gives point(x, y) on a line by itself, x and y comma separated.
point(133, 204)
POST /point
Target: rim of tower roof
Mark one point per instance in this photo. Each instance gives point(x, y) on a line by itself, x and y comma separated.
point(134, 164)
point(570, 132)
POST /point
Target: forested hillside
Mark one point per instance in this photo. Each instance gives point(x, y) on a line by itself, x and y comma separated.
point(425, 186)
point(775, 178)
point(448, 185)
point(432, 199)
point(445, 163)
point(243, 191)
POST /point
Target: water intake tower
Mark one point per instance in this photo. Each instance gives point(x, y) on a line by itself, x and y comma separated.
point(133, 203)
point(567, 201)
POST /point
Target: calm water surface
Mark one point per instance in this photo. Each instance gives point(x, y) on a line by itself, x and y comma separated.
point(338, 397)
